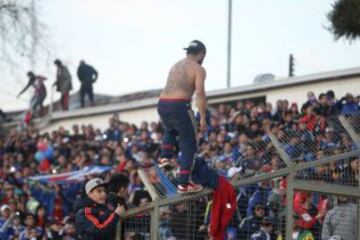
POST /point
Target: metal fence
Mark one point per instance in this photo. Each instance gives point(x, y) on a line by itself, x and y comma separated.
point(310, 188)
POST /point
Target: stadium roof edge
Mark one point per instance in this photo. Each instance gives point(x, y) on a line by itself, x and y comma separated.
point(286, 82)
point(151, 101)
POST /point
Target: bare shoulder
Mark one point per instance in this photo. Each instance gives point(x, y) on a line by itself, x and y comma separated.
point(200, 71)
point(194, 66)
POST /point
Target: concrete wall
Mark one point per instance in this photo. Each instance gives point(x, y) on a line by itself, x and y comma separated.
point(298, 93)
point(102, 121)
point(130, 112)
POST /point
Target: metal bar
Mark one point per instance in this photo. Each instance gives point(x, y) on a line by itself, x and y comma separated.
point(280, 150)
point(326, 160)
point(182, 198)
point(294, 168)
point(289, 206)
point(228, 77)
point(355, 137)
point(165, 202)
point(119, 230)
point(264, 176)
point(134, 211)
point(350, 130)
point(321, 187)
point(147, 184)
point(154, 228)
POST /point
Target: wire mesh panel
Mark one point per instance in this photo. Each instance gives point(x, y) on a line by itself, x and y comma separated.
point(136, 227)
point(308, 143)
point(185, 220)
point(257, 157)
point(354, 120)
point(343, 172)
point(261, 209)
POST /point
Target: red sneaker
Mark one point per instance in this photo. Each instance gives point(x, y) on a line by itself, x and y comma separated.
point(189, 188)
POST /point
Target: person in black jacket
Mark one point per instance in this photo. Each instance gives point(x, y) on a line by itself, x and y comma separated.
point(251, 224)
point(94, 220)
point(118, 191)
point(87, 76)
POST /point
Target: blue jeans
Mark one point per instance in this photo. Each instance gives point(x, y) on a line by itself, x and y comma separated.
point(179, 121)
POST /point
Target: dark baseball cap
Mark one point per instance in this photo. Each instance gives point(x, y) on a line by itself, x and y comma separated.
point(195, 47)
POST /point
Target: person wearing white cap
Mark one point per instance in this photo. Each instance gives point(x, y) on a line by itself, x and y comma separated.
point(94, 220)
point(5, 221)
point(233, 171)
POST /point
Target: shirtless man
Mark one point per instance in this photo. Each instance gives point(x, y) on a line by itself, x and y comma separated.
point(185, 78)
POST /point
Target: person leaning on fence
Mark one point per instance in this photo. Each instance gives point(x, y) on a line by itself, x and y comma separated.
point(118, 191)
point(341, 221)
point(265, 230)
point(94, 220)
point(251, 224)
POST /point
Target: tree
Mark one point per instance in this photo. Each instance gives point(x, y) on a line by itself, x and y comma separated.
point(345, 19)
point(21, 33)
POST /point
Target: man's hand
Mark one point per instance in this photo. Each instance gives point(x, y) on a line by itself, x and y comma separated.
point(120, 210)
point(203, 125)
point(321, 213)
point(203, 228)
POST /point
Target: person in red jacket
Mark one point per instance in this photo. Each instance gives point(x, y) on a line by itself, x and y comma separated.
point(94, 220)
point(309, 118)
point(302, 206)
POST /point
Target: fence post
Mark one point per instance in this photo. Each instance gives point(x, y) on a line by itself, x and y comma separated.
point(289, 220)
point(148, 185)
point(119, 230)
point(154, 228)
point(356, 138)
point(285, 157)
point(289, 206)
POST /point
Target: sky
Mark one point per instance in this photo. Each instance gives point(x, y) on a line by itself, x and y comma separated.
point(133, 43)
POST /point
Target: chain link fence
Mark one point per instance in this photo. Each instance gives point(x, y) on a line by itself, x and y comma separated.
point(295, 183)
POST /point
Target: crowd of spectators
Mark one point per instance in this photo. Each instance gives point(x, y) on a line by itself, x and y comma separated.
point(236, 144)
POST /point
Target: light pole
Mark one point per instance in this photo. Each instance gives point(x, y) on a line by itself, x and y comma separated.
point(229, 45)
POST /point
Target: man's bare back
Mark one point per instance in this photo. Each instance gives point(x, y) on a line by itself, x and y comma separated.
point(181, 80)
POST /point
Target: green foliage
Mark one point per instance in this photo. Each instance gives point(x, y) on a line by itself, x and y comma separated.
point(345, 19)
